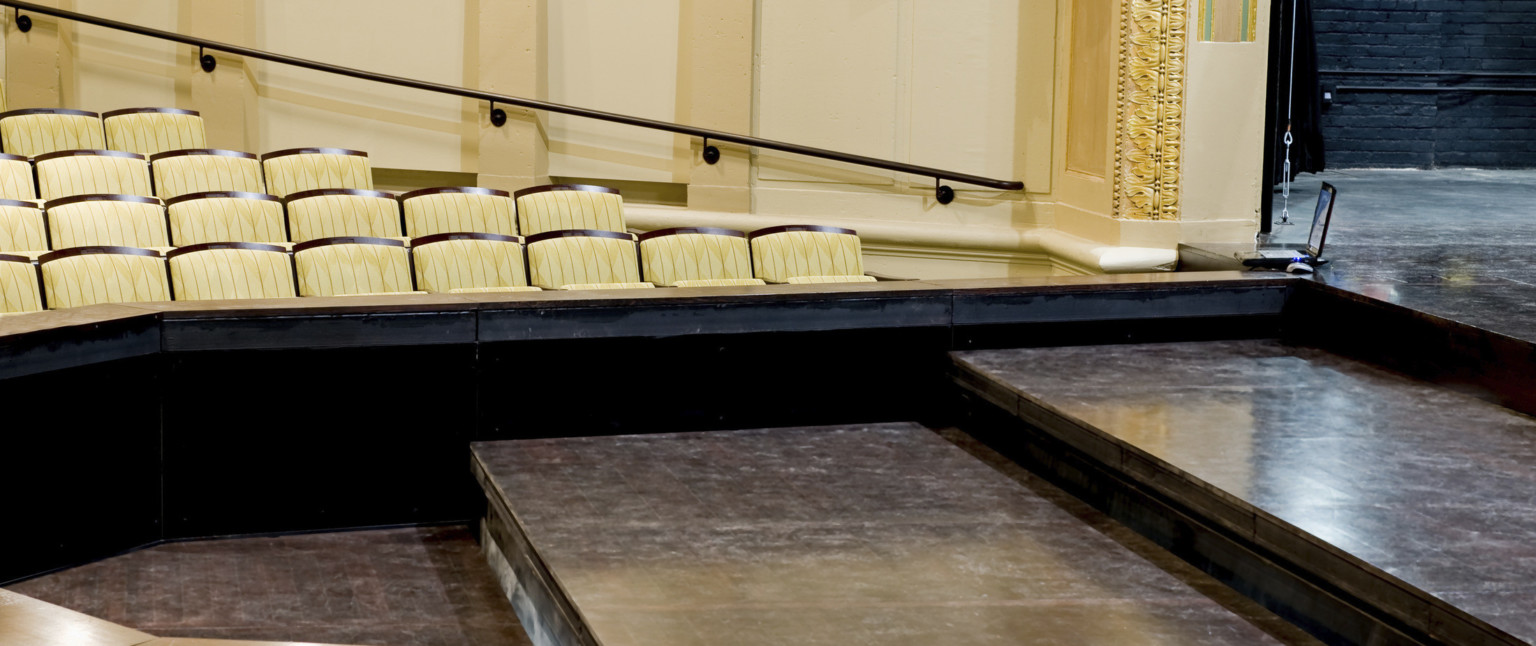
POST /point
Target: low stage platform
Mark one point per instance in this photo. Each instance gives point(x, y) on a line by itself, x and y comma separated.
point(851, 534)
point(1414, 499)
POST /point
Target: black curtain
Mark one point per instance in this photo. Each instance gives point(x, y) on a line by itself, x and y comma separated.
point(1306, 102)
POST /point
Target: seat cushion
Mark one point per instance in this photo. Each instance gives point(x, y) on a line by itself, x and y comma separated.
point(575, 286)
point(493, 290)
point(815, 280)
point(720, 282)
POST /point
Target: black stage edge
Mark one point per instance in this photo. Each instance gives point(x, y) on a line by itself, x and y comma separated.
point(1338, 598)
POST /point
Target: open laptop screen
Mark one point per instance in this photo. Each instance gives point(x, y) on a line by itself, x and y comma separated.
point(1320, 220)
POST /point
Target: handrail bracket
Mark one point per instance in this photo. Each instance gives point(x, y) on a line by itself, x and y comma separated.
point(711, 153)
point(24, 23)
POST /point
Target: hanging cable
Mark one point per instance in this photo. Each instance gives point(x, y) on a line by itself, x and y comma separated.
point(1290, 106)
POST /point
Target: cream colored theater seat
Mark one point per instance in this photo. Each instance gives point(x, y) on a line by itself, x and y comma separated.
point(106, 220)
point(95, 275)
point(353, 266)
point(16, 180)
point(449, 262)
point(226, 216)
point(92, 172)
point(149, 131)
point(582, 257)
point(431, 211)
point(21, 228)
point(179, 172)
point(20, 290)
point(229, 270)
point(816, 280)
point(694, 255)
point(341, 212)
point(306, 169)
point(493, 290)
point(39, 131)
point(782, 253)
point(562, 207)
point(584, 286)
point(720, 282)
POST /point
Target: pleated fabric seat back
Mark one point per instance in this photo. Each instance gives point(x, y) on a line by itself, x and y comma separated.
point(95, 275)
point(106, 220)
point(584, 258)
point(21, 227)
point(802, 253)
point(179, 172)
point(20, 290)
point(306, 169)
point(563, 207)
point(150, 131)
point(469, 262)
point(40, 131)
point(353, 266)
point(696, 257)
point(92, 172)
point(338, 212)
point(231, 270)
point(226, 216)
point(459, 209)
point(16, 180)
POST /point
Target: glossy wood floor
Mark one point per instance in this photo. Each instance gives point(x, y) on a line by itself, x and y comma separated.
point(417, 586)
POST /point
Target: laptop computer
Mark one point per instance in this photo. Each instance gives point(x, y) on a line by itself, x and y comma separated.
point(1310, 253)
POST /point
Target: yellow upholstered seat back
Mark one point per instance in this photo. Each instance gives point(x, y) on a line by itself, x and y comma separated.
point(21, 227)
point(30, 133)
point(467, 261)
point(92, 172)
point(148, 131)
point(671, 255)
point(564, 207)
point(93, 275)
point(225, 216)
point(431, 211)
point(349, 266)
point(180, 172)
point(331, 213)
point(16, 182)
point(560, 258)
point(111, 220)
point(19, 289)
point(780, 253)
point(306, 169)
point(231, 270)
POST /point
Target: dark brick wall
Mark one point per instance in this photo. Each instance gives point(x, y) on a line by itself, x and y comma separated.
point(1428, 130)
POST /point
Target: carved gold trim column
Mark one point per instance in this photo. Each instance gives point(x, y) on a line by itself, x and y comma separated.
point(1150, 117)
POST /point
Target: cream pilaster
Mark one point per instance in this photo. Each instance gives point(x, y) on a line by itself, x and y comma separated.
point(510, 57)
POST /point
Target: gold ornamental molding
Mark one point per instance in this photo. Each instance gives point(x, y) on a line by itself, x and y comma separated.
point(1150, 116)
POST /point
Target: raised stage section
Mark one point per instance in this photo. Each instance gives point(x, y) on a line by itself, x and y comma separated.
point(855, 534)
point(1407, 499)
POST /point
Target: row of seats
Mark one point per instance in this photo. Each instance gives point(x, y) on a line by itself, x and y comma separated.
point(146, 131)
point(443, 263)
point(166, 175)
point(235, 216)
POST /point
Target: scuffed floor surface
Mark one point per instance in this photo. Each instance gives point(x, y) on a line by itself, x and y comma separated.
point(416, 586)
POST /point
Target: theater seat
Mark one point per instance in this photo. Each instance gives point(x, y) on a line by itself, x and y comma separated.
point(802, 250)
point(584, 258)
point(20, 290)
point(431, 211)
point(696, 257)
point(465, 262)
point(21, 229)
point(95, 275)
point(353, 266)
point(226, 216)
point(179, 172)
point(306, 169)
point(92, 172)
point(229, 270)
point(342, 212)
point(16, 180)
point(149, 131)
point(563, 207)
point(39, 131)
point(107, 220)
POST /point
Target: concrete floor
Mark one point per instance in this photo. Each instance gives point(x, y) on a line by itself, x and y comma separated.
point(1455, 243)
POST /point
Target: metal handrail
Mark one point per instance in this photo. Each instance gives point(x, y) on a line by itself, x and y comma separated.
point(945, 194)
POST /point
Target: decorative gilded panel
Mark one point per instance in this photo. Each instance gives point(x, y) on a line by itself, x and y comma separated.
point(1153, 39)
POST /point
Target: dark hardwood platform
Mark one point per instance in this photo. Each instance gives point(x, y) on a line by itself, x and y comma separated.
point(853, 534)
point(1409, 497)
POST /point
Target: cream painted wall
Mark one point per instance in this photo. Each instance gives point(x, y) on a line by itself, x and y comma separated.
point(617, 56)
point(120, 70)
